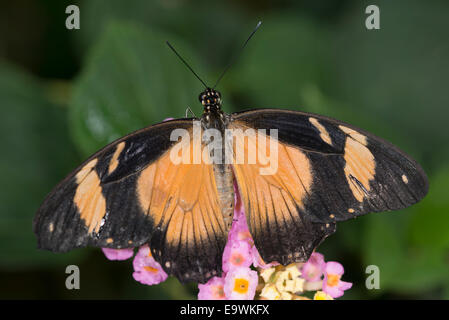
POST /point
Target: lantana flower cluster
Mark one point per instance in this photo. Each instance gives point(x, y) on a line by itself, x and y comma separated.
point(245, 275)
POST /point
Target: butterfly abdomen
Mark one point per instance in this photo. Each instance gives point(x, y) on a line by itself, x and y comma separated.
point(216, 120)
point(224, 181)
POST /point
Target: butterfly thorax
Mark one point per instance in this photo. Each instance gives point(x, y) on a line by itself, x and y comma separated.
point(214, 118)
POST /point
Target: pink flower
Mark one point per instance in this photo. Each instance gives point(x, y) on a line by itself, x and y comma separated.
point(259, 262)
point(212, 290)
point(236, 254)
point(332, 284)
point(240, 284)
point(238, 208)
point(313, 269)
point(118, 254)
point(239, 229)
point(146, 269)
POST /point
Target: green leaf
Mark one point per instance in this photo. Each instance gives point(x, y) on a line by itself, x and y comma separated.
point(404, 268)
point(429, 224)
point(36, 154)
point(277, 70)
point(398, 74)
point(171, 289)
point(383, 247)
point(422, 269)
point(132, 80)
point(189, 20)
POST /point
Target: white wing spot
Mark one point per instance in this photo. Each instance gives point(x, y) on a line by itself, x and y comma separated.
point(404, 178)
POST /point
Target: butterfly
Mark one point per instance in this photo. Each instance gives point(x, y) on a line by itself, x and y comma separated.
point(311, 173)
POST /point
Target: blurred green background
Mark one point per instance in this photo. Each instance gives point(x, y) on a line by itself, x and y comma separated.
point(66, 93)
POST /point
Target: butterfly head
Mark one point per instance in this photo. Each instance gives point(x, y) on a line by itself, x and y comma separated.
point(210, 99)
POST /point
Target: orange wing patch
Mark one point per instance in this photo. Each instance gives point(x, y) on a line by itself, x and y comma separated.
point(360, 163)
point(323, 132)
point(89, 198)
point(113, 164)
point(183, 199)
point(274, 198)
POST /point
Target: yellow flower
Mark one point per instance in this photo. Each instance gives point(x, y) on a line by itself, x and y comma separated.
point(313, 286)
point(320, 295)
point(281, 278)
point(298, 285)
point(266, 274)
point(293, 270)
point(289, 280)
point(286, 296)
point(296, 297)
point(270, 292)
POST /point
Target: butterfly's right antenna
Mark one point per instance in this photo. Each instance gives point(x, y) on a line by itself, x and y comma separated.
point(187, 65)
point(238, 55)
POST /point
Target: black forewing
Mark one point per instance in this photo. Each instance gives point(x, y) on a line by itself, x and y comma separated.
point(393, 179)
point(58, 223)
point(332, 192)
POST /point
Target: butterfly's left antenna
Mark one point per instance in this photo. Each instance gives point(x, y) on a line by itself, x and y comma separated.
point(188, 66)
